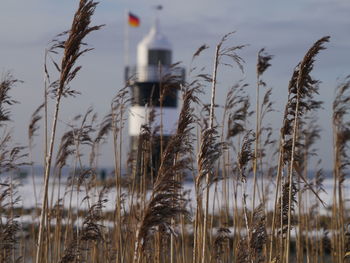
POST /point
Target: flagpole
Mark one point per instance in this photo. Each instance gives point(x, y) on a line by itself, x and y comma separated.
point(126, 46)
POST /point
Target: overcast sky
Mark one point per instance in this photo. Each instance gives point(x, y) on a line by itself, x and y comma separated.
point(285, 28)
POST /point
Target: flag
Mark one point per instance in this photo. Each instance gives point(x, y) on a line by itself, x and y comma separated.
point(134, 21)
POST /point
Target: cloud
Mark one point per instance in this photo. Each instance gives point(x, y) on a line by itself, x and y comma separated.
point(286, 28)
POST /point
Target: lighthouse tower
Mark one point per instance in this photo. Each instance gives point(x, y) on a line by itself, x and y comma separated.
point(152, 91)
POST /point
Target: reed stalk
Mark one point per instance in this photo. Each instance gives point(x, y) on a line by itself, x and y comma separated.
point(207, 179)
point(262, 65)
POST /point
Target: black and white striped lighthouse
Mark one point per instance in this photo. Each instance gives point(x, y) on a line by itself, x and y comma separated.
point(154, 60)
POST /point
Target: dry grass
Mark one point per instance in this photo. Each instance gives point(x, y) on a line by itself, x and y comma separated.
point(153, 219)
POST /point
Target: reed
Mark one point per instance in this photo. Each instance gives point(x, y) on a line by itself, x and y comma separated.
point(72, 51)
point(157, 212)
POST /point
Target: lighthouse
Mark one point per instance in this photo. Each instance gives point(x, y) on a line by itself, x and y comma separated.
point(154, 87)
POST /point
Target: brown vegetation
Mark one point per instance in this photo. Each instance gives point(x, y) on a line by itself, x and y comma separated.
point(153, 219)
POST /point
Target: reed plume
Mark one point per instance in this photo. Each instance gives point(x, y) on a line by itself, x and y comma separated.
point(8, 239)
point(263, 64)
point(251, 247)
point(9, 225)
point(33, 124)
point(71, 253)
point(243, 255)
point(245, 155)
point(258, 235)
point(209, 153)
point(223, 237)
point(347, 245)
point(166, 201)
point(6, 84)
point(32, 130)
point(301, 91)
point(92, 230)
point(284, 207)
point(10, 158)
point(237, 109)
point(65, 149)
point(326, 242)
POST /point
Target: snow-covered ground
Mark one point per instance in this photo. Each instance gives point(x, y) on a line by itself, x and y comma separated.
point(216, 199)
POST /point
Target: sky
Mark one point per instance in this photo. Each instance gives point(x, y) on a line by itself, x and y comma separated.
point(285, 28)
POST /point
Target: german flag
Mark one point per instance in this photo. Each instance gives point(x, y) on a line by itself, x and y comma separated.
point(134, 21)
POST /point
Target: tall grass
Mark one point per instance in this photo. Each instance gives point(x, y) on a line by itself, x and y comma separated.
point(269, 208)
